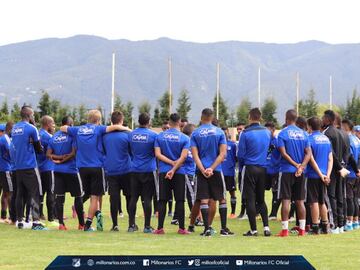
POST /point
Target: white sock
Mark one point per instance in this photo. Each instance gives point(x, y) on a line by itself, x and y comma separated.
point(285, 225)
point(266, 228)
point(302, 223)
point(253, 232)
point(349, 223)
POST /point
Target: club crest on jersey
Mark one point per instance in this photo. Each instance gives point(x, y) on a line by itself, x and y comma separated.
point(296, 134)
point(322, 139)
point(60, 138)
point(142, 138)
point(17, 131)
point(205, 132)
point(171, 137)
point(86, 130)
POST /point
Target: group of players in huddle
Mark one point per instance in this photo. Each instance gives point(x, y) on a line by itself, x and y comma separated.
point(311, 166)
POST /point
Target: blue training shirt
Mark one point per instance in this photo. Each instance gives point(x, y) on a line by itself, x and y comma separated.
point(142, 142)
point(5, 160)
point(61, 144)
point(355, 151)
point(171, 143)
point(189, 164)
point(23, 135)
point(321, 148)
point(254, 144)
point(117, 153)
point(229, 163)
point(207, 139)
point(273, 158)
point(295, 141)
point(44, 163)
point(90, 152)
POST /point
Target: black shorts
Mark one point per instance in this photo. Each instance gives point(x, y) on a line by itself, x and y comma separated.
point(292, 187)
point(316, 190)
point(253, 182)
point(210, 188)
point(47, 181)
point(68, 182)
point(351, 188)
point(230, 183)
point(29, 181)
point(176, 185)
point(93, 181)
point(143, 184)
point(6, 184)
point(118, 183)
point(272, 182)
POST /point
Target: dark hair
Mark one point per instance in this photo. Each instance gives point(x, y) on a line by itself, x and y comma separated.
point(349, 123)
point(240, 124)
point(207, 113)
point(330, 115)
point(215, 122)
point(165, 122)
point(301, 123)
point(174, 117)
point(314, 123)
point(117, 117)
point(255, 114)
point(224, 128)
point(269, 125)
point(188, 129)
point(25, 111)
point(144, 119)
point(9, 126)
point(291, 115)
point(184, 120)
point(66, 120)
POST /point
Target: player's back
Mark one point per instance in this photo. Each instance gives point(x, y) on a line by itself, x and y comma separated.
point(62, 144)
point(321, 147)
point(5, 161)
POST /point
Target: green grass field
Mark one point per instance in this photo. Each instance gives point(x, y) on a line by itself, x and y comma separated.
point(28, 249)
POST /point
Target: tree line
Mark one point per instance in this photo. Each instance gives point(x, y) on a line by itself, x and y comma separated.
point(308, 107)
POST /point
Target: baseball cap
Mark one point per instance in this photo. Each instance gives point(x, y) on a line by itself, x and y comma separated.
point(2, 127)
point(357, 128)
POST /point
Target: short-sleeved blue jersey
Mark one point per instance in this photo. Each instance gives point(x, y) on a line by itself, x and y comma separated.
point(321, 148)
point(117, 153)
point(142, 142)
point(44, 163)
point(5, 160)
point(23, 135)
point(207, 139)
point(61, 144)
point(295, 141)
point(171, 143)
point(90, 152)
point(229, 163)
point(273, 158)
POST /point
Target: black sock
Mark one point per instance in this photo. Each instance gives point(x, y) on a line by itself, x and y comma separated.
point(223, 215)
point(97, 213)
point(162, 213)
point(114, 208)
point(3, 214)
point(132, 210)
point(180, 213)
point(88, 223)
point(147, 212)
point(263, 211)
point(60, 199)
point(204, 208)
point(79, 208)
point(170, 202)
point(274, 205)
point(41, 208)
point(315, 228)
point(233, 205)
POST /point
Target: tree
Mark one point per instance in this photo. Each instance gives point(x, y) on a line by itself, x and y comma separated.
point(15, 112)
point(128, 113)
point(44, 104)
point(308, 107)
point(184, 105)
point(242, 112)
point(223, 112)
point(164, 106)
point(144, 107)
point(81, 114)
point(156, 121)
point(269, 111)
point(4, 112)
point(352, 108)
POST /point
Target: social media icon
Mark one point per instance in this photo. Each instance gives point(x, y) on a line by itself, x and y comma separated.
point(190, 262)
point(146, 262)
point(197, 262)
point(239, 262)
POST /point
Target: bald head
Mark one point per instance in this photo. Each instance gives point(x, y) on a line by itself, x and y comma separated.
point(47, 123)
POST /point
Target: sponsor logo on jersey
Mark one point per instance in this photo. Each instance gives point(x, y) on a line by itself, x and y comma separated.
point(60, 138)
point(171, 137)
point(296, 134)
point(321, 139)
point(86, 130)
point(142, 138)
point(205, 132)
point(17, 131)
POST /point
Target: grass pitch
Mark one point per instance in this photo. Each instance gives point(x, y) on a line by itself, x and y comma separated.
point(26, 249)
